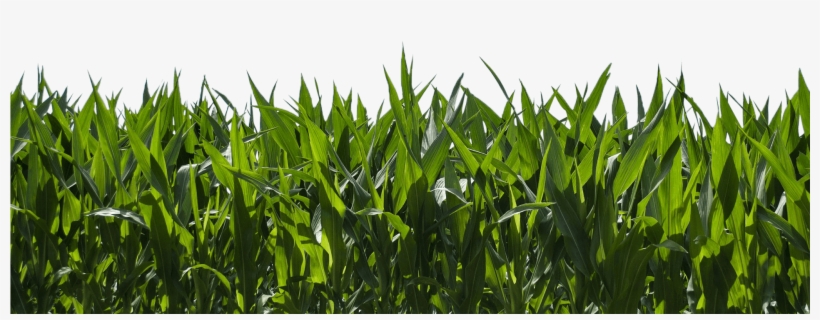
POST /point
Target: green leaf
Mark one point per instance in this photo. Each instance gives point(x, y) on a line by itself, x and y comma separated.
point(632, 163)
point(787, 230)
point(521, 208)
point(124, 215)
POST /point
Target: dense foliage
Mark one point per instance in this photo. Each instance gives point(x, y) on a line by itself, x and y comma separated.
point(193, 208)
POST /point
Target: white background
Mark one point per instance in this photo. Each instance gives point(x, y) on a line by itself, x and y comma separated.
point(747, 47)
point(754, 48)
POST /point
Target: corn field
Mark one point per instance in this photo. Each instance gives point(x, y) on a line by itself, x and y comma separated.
point(309, 206)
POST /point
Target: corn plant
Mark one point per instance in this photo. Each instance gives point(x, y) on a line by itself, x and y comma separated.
point(315, 208)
